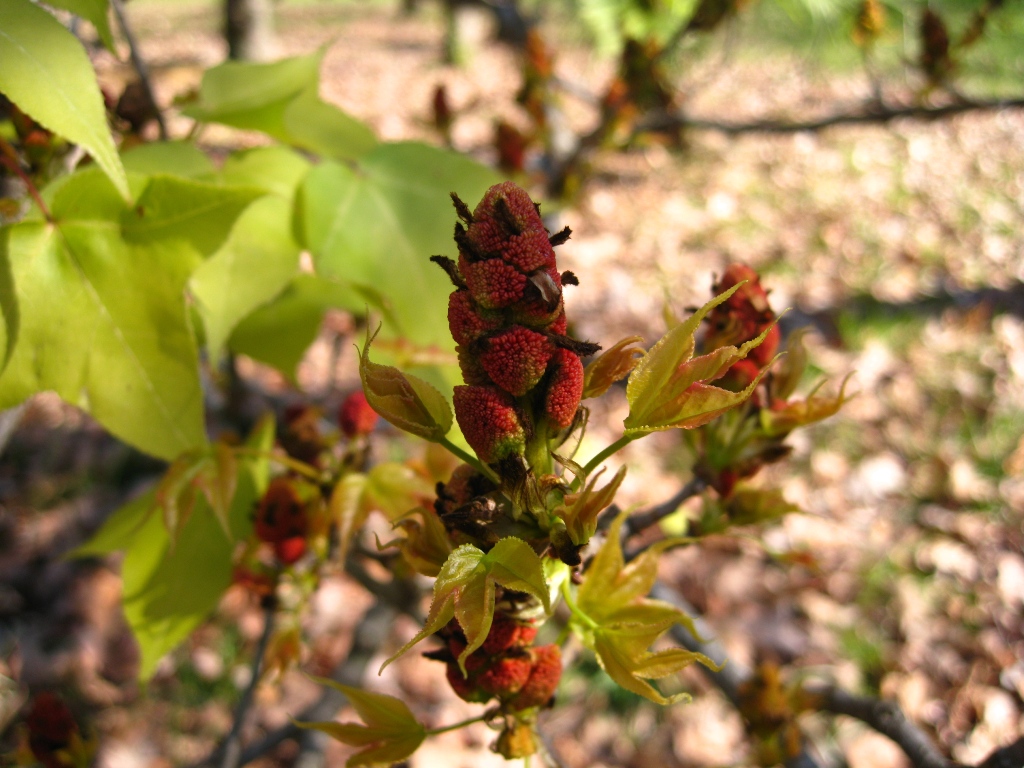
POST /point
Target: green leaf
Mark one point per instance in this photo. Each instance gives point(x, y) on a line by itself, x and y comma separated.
point(211, 472)
point(170, 158)
point(391, 732)
point(668, 388)
point(319, 127)
point(616, 620)
point(408, 402)
point(378, 221)
point(464, 590)
point(172, 208)
point(46, 72)
point(95, 12)
point(254, 95)
point(255, 264)
point(9, 315)
point(119, 529)
point(279, 333)
point(103, 324)
point(277, 170)
point(169, 590)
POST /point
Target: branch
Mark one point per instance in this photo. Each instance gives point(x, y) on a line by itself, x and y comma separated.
point(140, 65)
point(366, 643)
point(878, 116)
point(229, 750)
point(887, 718)
point(641, 521)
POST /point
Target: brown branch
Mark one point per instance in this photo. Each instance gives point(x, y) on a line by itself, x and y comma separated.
point(887, 718)
point(232, 746)
point(870, 116)
point(641, 521)
point(9, 158)
point(140, 65)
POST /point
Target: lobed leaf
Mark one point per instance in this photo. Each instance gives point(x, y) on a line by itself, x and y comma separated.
point(408, 402)
point(45, 71)
point(668, 388)
point(255, 264)
point(391, 732)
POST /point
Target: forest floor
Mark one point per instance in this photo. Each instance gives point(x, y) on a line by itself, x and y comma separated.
point(903, 247)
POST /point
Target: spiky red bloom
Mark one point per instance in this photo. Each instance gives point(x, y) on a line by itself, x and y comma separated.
point(466, 321)
point(493, 283)
point(506, 633)
point(465, 687)
point(545, 673)
point(505, 675)
point(743, 316)
point(516, 359)
point(489, 421)
point(50, 727)
point(565, 388)
point(281, 514)
point(355, 416)
point(290, 550)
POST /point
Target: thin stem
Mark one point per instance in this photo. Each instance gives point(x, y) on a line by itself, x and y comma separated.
point(299, 467)
point(456, 726)
point(473, 461)
point(610, 450)
point(140, 65)
point(10, 159)
point(233, 743)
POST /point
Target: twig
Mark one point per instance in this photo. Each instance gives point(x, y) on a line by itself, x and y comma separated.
point(365, 644)
point(888, 719)
point(140, 65)
point(643, 520)
point(663, 121)
point(231, 750)
point(9, 158)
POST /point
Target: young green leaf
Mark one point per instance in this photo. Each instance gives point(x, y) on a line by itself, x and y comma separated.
point(778, 422)
point(45, 71)
point(279, 332)
point(464, 590)
point(171, 158)
point(375, 221)
point(668, 388)
point(408, 402)
point(253, 266)
point(319, 127)
point(199, 212)
point(103, 322)
point(615, 618)
point(390, 732)
point(96, 12)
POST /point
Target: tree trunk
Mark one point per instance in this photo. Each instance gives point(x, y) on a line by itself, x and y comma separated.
point(249, 29)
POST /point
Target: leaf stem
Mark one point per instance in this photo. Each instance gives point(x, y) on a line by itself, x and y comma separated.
point(610, 450)
point(232, 747)
point(294, 465)
point(473, 461)
point(9, 157)
point(456, 726)
point(574, 609)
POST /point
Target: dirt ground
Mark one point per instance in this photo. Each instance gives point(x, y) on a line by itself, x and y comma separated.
point(902, 246)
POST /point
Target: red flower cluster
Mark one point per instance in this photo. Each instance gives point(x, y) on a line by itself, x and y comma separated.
point(505, 667)
point(508, 319)
point(742, 317)
point(355, 416)
point(51, 727)
point(282, 521)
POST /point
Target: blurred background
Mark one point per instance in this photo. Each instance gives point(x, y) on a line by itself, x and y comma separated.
point(867, 158)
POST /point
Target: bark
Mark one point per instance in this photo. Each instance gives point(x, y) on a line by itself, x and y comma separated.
point(249, 29)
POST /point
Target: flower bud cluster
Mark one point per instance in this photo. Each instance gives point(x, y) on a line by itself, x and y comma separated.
point(282, 520)
point(523, 375)
point(742, 317)
point(506, 667)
